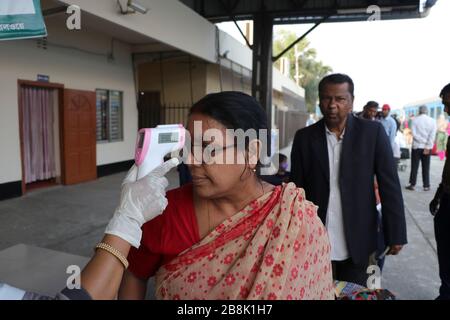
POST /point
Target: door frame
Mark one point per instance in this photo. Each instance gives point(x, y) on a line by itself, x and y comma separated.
point(42, 85)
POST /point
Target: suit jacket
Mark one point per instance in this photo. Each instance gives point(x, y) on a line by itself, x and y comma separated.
point(366, 153)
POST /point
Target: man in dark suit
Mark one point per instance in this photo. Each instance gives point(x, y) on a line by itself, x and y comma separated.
point(336, 161)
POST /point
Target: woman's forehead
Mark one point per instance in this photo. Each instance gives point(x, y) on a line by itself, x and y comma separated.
point(204, 123)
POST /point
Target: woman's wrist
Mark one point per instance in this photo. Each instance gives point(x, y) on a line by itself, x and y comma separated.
point(125, 228)
point(102, 276)
point(117, 243)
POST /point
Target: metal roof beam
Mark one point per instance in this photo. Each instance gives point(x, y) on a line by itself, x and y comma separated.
point(310, 11)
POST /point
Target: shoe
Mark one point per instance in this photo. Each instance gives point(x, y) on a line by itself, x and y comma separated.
point(410, 187)
point(426, 189)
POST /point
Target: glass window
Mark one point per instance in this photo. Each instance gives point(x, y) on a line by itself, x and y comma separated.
point(109, 115)
point(115, 116)
point(102, 115)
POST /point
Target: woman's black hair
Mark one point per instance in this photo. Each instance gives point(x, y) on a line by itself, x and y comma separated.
point(234, 110)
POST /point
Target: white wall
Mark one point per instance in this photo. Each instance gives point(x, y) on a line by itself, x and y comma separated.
point(280, 81)
point(168, 21)
point(236, 51)
point(76, 70)
point(172, 23)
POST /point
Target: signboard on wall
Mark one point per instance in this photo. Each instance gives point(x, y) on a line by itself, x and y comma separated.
point(21, 19)
point(43, 78)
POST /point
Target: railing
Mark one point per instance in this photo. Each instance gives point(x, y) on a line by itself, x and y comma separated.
point(175, 113)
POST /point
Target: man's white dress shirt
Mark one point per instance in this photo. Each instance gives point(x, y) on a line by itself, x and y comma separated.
point(424, 132)
point(335, 219)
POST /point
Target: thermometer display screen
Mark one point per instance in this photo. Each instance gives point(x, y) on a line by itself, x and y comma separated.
point(141, 140)
point(170, 137)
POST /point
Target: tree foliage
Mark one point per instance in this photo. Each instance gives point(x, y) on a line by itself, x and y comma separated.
point(311, 71)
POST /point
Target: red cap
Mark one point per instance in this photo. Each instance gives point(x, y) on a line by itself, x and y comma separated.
point(386, 107)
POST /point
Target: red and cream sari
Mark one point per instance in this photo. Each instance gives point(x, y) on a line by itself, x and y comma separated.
point(275, 248)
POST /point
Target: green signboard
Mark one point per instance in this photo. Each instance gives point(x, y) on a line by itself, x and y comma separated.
point(21, 19)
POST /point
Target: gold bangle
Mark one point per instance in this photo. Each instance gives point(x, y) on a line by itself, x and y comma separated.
point(114, 252)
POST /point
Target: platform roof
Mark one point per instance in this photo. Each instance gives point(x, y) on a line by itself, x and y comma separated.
point(309, 11)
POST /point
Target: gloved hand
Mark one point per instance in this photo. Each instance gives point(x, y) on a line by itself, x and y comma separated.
point(140, 201)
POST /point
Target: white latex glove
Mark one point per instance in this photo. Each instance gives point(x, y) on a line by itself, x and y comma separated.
point(140, 201)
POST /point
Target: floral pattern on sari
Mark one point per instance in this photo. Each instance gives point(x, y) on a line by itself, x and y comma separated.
point(275, 248)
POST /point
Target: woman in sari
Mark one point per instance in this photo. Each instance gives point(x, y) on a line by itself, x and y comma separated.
point(228, 235)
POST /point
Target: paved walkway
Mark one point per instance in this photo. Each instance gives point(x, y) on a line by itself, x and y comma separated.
point(72, 220)
point(414, 273)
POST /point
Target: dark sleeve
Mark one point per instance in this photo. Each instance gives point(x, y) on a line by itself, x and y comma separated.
point(74, 294)
point(393, 211)
point(66, 294)
point(296, 175)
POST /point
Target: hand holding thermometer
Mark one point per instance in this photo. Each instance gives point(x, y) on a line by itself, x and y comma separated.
point(153, 144)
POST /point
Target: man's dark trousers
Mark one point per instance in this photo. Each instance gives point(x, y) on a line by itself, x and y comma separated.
point(417, 156)
point(350, 272)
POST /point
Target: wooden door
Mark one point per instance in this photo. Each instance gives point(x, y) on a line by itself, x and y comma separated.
point(79, 137)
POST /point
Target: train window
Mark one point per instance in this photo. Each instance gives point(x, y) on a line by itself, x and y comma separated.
point(432, 111)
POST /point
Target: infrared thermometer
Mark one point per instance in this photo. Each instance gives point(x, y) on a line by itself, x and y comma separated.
point(153, 144)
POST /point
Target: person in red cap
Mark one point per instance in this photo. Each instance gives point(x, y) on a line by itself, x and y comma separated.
point(388, 123)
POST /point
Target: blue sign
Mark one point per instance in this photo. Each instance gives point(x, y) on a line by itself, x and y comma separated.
point(43, 78)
